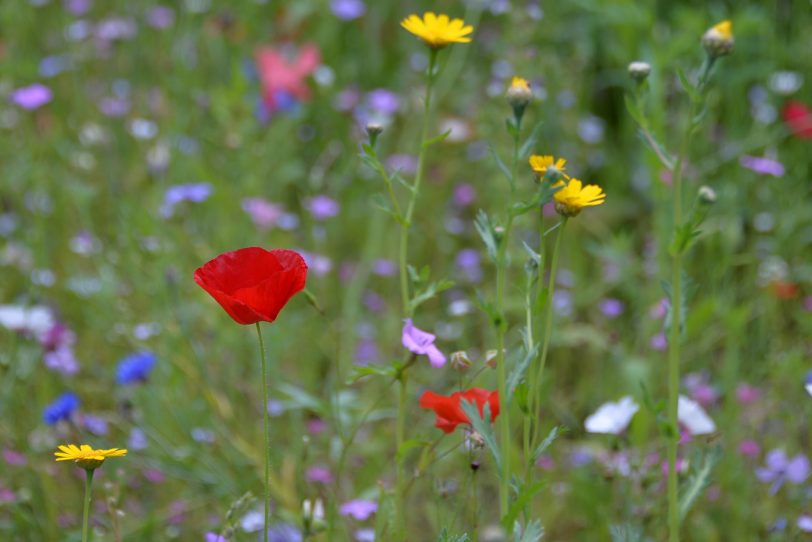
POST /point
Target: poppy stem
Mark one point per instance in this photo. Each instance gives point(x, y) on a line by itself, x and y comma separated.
point(266, 428)
point(86, 533)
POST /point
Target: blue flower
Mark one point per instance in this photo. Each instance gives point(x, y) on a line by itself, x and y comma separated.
point(61, 409)
point(135, 368)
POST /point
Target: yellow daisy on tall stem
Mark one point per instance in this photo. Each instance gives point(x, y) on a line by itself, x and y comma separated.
point(438, 31)
point(543, 165)
point(572, 198)
point(89, 459)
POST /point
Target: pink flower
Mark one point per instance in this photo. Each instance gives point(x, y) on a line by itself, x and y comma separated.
point(283, 79)
point(421, 342)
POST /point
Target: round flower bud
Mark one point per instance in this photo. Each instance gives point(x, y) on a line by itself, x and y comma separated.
point(460, 360)
point(639, 70)
point(519, 93)
point(706, 195)
point(374, 128)
point(718, 40)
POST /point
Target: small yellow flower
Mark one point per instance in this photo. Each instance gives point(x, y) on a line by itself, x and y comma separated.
point(542, 164)
point(574, 196)
point(519, 93)
point(718, 40)
point(85, 456)
point(437, 30)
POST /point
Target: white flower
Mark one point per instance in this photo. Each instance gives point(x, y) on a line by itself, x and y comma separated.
point(36, 320)
point(612, 418)
point(694, 417)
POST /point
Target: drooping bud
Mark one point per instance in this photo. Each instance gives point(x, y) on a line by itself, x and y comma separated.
point(460, 360)
point(639, 71)
point(718, 40)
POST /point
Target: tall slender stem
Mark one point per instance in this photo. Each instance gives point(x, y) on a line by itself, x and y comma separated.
point(400, 431)
point(267, 431)
point(86, 533)
point(548, 333)
point(501, 328)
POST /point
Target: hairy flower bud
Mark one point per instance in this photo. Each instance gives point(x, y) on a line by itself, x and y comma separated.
point(718, 40)
point(706, 195)
point(460, 360)
point(519, 93)
point(639, 70)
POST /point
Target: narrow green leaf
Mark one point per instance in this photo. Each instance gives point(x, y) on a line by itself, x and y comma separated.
point(548, 440)
point(531, 533)
point(501, 165)
point(517, 373)
point(698, 480)
point(437, 139)
point(530, 142)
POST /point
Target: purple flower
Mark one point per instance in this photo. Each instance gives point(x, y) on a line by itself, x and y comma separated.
point(323, 207)
point(214, 537)
point(263, 213)
point(405, 163)
point(114, 107)
point(320, 474)
point(319, 264)
point(14, 458)
point(367, 352)
point(347, 10)
point(135, 368)
point(805, 524)
point(137, 439)
point(284, 532)
point(384, 268)
point(32, 97)
point(659, 342)
point(464, 195)
point(780, 468)
point(612, 308)
point(94, 424)
point(194, 192)
point(161, 17)
point(383, 101)
point(762, 165)
point(808, 383)
point(359, 509)
point(421, 342)
point(62, 360)
point(61, 409)
point(749, 448)
point(78, 7)
point(468, 262)
point(745, 393)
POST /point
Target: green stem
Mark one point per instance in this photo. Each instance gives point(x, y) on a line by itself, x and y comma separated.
point(86, 532)
point(548, 332)
point(406, 300)
point(266, 425)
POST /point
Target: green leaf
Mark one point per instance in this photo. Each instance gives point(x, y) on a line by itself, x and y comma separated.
point(410, 444)
point(535, 256)
point(445, 536)
point(689, 87)
point(523, 497)
point(626, 533)
point(517, 373)
point(530, 142)
point(299, 398)
point(698, 480)
point(511, 127)
point(379, 202)
point(548, 440)
point(437, 139)
point(634, 110)
point(429, 292)
point(531, 533)
point(486, 231)
point(484, 427)
point(360, 372)
point(502, 166)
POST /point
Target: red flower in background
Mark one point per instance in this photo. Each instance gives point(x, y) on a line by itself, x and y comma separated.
point(449, 408)
point(253, 284)
point(798, 118)
point(282, 79)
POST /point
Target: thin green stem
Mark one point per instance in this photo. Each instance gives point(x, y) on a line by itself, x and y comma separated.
point(86, 532)
point(267, 430)
point(548, 333)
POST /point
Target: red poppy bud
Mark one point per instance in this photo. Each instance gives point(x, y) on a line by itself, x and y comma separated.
point(253, 284)
point(798, 118)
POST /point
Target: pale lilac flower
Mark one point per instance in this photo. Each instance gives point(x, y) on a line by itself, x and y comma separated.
point(612, 418)
point(319, 264)
point(365, 535)
point(421, 342)
point(562, 302)
point(808, 383)
point(62, 360)
point(94, 424)
point(374, 302)
point(611, 308)
point(34, 321)
point(193, 192)
point(319, 474)
point(359, 509)
point(32, 97)
point(403, 163)
point(384, 267)
point(383, 101)
point(464, 195)
point(115, 28)
point(367, 352)
point(78, 7)
point(160, 17)
point(137, 439)
point(347, 10)
point(252, 521)
point(323, 207)
point(659, 342)
point(763, 165)
point(468, 263)
point(263, 213)
point(805, 524)
point(7, 495)
point(283, 532)
point(14, 458)
point(214, 537)
point(779, 468)
point(114, 106)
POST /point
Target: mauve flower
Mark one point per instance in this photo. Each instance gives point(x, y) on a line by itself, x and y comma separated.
point(94, 424)
point(318, 263)
point(464, 195)
point(284, 532)
point(808, 383)
point(347, 10)
point(745, 394)
point(114, 106)
point(403, 163)
point(359, 509)
point(14, 458)
point(319, 474)
point(805, 524)
point(78, 7)
point(611, 308)
point(161, 17)
point(659, 342)
point(323, 207)
point(137, 439)
point(32, 97)
point(253, 284)
point(385, 268)
point(763, 165)
point(263, 213)
point(383, 101)
point(779, 468)
point(468, 262)
point(214, 537)
point(749, 448)
point(421, 342)
point(193, 192)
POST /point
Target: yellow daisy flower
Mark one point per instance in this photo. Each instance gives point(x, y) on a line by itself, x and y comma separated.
point(437, 30)
point(574, 196)
point(541, 164)
point(85, 456)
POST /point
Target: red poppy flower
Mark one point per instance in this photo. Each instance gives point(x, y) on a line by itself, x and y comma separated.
point(798, 118)
point(449, 409)
point(783, 289)
point(253, 284)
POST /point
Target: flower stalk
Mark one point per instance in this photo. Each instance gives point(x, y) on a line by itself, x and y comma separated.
point(267, 436)
point(86, 534)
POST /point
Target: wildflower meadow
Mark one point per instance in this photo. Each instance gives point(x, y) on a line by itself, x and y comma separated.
point(452, 271)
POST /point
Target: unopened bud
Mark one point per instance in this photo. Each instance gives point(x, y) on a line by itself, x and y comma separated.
point(373, 129)
point(639, 70)
point(519, 93)
point(491, 358)
point(706, 195)
point(460, 360)
point(718, 40)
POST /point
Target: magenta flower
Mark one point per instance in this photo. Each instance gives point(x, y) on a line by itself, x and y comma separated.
point(421, 342)
point(359, 509)
point(32, 97)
